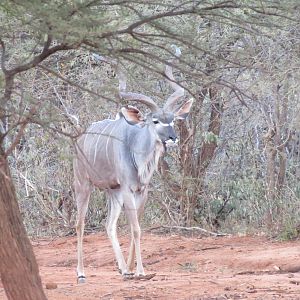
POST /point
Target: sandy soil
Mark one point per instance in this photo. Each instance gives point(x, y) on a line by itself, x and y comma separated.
point(185, 267)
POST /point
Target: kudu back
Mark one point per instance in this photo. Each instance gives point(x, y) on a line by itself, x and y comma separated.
point(119, 157)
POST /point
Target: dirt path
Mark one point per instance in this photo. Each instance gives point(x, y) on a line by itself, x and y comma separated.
point(187, 268)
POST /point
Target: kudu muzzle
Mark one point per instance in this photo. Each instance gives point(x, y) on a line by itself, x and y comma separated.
point(172, 140)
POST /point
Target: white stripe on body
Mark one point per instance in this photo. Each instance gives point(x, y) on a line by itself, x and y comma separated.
point(95, 153)
point(109, 136)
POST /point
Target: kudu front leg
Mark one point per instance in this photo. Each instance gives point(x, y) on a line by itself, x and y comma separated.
point(131, 255)
point(115, 206)
point(132, 215)
point(136, 233)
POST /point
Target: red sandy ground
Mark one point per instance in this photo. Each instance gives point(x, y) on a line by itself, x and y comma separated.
point(186, 267)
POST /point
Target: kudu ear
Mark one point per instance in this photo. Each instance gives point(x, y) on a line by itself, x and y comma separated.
point(183, 111)
point(132, 115)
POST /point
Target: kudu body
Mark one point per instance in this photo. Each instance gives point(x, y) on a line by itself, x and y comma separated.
point(119, 156)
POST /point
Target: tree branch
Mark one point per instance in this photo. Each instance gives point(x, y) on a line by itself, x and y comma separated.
point(2, 56)
point(75, 84)
point(20, 133)
point(46, 52)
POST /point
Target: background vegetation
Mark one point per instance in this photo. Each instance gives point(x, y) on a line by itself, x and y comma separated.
point(237, 168)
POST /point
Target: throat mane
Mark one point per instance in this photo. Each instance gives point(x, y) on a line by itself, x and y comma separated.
point(149, 165)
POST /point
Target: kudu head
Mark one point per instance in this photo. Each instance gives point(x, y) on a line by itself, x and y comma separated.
point(159, 120)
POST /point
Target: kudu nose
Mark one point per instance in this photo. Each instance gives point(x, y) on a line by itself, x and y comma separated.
point(172, 134)
point(173, 139)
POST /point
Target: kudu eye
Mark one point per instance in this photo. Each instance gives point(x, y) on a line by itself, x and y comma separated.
point(155, 121)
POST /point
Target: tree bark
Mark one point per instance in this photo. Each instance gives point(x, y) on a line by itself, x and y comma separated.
point(18, 267)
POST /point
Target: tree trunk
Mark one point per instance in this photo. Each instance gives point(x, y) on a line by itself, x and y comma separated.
point(276, 140)
point(209, 148)
point(195, 166)
point(271, 173)
point(18, 267)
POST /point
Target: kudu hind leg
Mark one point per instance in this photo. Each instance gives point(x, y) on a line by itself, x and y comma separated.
point(82, 200)
point(115, 203)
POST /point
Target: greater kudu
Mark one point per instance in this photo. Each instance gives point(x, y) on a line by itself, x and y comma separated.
point(119, 156)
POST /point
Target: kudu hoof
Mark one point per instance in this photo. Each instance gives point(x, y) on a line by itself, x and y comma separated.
point(128, 276)
point(144, 277)
point(81, 279)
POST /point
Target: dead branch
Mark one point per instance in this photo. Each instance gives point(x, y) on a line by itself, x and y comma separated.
point(193, 228)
